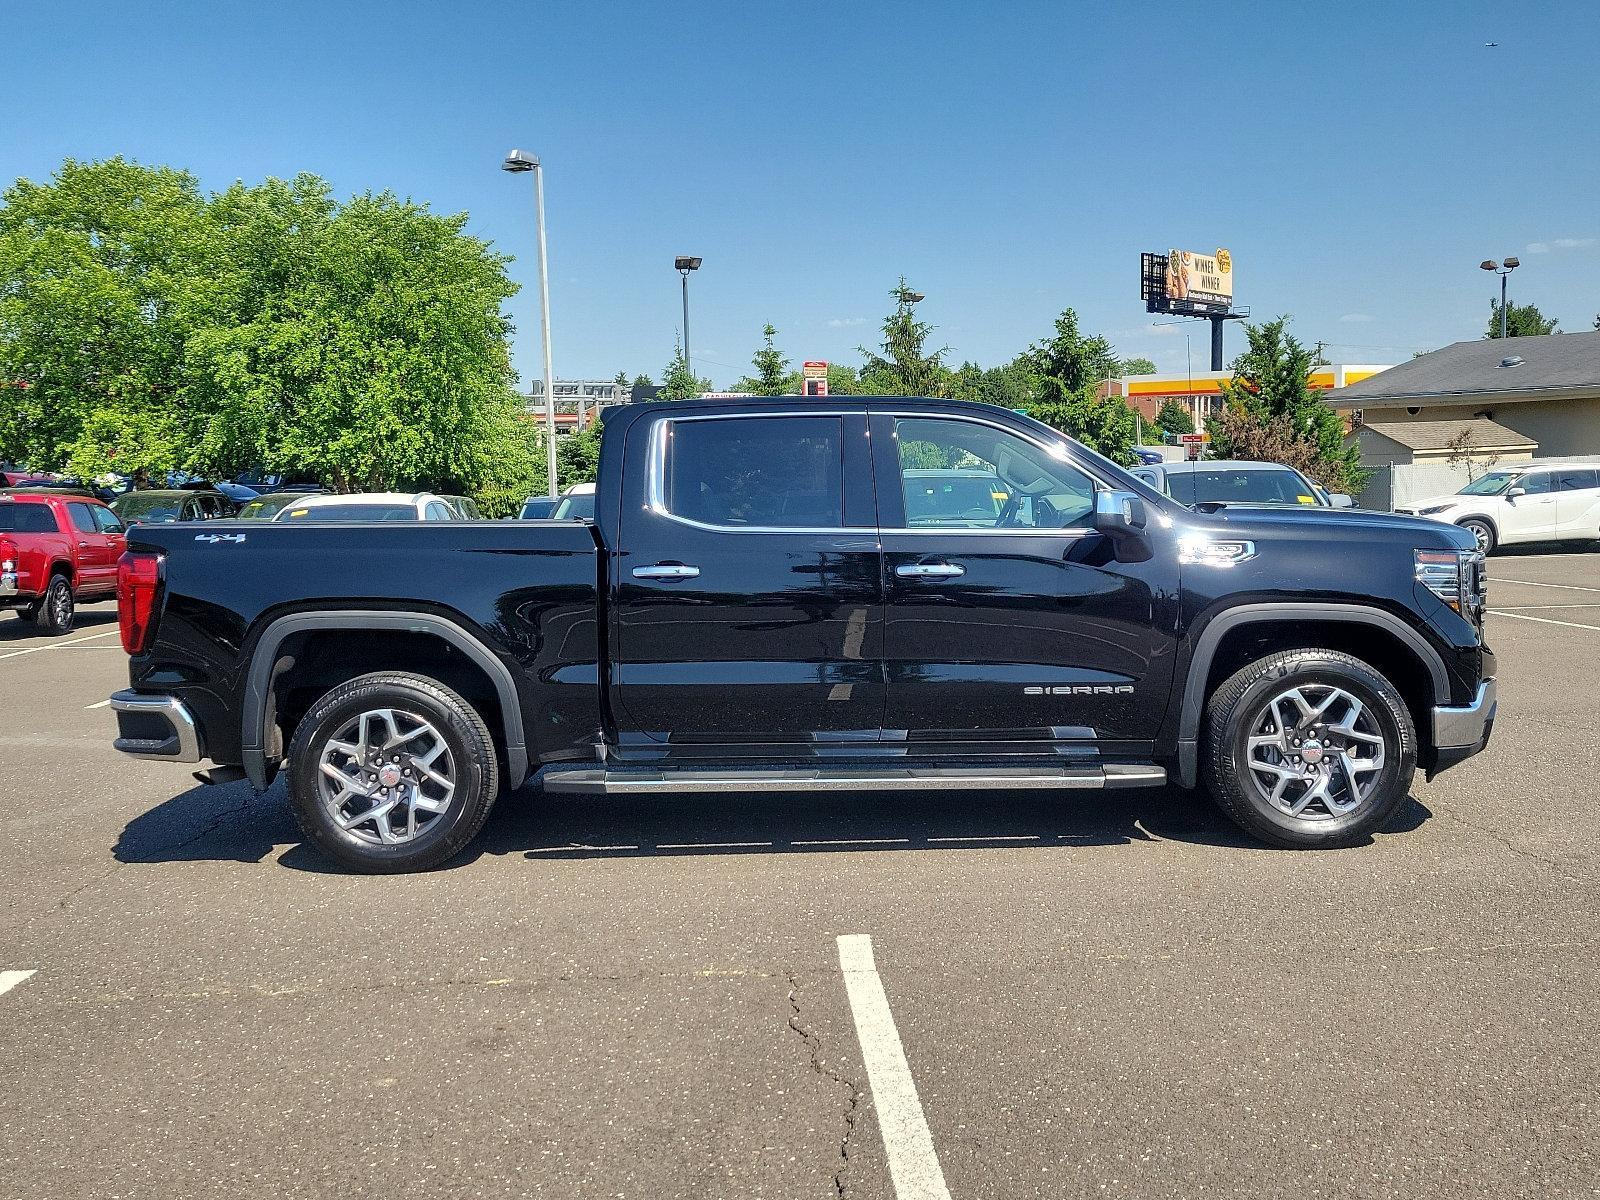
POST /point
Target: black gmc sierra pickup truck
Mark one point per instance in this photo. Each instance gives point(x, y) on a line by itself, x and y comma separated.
point(794, 595)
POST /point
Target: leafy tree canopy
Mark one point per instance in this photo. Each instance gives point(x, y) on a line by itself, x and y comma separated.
point(1138, 366)
point(360, 343)
point(1174, 417)
point(678, 382)
point(772, 376)
point(1271, 382)
point(905, 366)
point(1522, 320)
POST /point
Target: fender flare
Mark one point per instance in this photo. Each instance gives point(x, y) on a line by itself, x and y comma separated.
point(1205, 649)
point(258, 680)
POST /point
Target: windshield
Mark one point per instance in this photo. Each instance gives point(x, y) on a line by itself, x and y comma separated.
point(575, 508)
point(148, 506)
point(264, 508)
point(1268, 485)
point(1491, 484)
point(350, 512)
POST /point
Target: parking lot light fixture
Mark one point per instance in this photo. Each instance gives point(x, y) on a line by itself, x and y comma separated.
point(1511, 263)
point(683, 264)
point(520, 162)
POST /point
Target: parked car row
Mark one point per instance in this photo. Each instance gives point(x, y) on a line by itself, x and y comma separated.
point(1542, 500)
point(56, 549)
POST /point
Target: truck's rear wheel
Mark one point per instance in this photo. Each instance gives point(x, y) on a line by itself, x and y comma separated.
point(53, 612)
point(392, 772)
point(1309, 749)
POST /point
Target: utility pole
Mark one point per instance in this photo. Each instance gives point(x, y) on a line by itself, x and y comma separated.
point(519, 163)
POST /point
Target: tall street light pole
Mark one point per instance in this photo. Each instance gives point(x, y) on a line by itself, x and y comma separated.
point(1510, 265)
point(683, 264)
point(519, 162)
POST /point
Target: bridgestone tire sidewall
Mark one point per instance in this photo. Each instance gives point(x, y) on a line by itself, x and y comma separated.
point(470, 747)
point(1380, 700)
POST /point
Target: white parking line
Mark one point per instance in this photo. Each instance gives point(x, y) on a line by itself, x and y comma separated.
point(1525, 607)
point(1542, 620)
point(913, 1166)
point(10, 979)
point(57, 645)
point(1571, 587)
point(105, 703)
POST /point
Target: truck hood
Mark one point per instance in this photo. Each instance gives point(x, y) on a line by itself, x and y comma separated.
point(1289, 520)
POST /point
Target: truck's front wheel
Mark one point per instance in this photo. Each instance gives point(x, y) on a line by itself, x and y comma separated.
point(391, 772)
point(1309, 749)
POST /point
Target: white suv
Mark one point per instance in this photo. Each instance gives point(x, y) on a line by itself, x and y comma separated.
point(1528, 502)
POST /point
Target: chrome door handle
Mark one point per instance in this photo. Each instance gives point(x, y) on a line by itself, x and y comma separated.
point(666, 571)
point(929, 570)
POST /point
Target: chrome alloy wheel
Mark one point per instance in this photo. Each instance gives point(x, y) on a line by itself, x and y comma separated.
point(386, 776)
point(1315, 752)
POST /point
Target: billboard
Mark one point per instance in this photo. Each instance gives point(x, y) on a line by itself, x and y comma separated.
point(1205, 279)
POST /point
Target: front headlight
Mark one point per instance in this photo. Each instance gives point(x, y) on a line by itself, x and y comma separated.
point(1457, 577)
point(1434, 510)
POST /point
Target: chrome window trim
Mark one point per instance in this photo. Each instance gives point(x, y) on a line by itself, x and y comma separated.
point(656, 458)
point(656, 474)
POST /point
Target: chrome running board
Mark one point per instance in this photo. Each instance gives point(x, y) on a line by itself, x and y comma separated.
point(600, 782)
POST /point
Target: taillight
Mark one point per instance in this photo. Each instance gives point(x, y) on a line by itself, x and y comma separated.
point(8, 554)
point(138, 578)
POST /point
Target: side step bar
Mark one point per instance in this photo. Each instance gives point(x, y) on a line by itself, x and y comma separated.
point(600, 782)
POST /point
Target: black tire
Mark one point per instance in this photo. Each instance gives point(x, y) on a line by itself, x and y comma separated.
point(1241, 703)
point(55, 610)
point(456, 723)
point(1483, 531)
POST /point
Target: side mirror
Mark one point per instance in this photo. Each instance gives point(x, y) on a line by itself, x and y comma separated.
point(1119, 514)
point(1340, 500)
point(1513, 493)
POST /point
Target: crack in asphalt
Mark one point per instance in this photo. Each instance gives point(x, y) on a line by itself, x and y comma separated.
point(1560, 868)
point(813, 1046)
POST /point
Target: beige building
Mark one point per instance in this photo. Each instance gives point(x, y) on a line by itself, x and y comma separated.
point(1496, 399)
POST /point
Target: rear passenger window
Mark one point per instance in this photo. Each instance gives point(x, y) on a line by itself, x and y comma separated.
point(755, 472)
point(1576, 479)
point(83, 518)
point(27, 518)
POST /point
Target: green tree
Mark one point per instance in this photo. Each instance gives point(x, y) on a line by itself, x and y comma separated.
point(578, 455)
point(102, 273)
point(772, 376)
point(905, 367)
point(377, 358)
point(1271, 387)
point(643, 381)
point(678, 382)
point(621, 379)
point(1522, 320)
point(1138, 366)
point(1173, 417)
point(1067, 370)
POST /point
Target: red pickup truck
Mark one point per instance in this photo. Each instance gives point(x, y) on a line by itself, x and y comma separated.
point(54, 551)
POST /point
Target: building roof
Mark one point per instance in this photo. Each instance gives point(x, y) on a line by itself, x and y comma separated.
point(1551, 362)
point(1438, 435)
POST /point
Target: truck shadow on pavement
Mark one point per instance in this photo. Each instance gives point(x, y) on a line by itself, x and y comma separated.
point(231, 824)
point(25, 633)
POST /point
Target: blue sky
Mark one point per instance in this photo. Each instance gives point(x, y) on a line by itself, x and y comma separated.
point(1359, 159)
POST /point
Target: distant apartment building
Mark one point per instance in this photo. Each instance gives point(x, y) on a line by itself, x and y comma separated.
point(578, 401)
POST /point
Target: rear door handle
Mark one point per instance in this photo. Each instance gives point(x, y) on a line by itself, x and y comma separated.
point(929, 570)
point(666, 571)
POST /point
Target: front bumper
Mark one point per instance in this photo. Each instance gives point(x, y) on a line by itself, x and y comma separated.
point(1459, 733)
point(158, 727)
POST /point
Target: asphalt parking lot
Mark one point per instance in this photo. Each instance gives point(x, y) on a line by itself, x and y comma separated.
point(1107, 996)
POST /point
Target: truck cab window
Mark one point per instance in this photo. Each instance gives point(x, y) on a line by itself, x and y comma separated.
point(963, 475)
point(755, 472)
